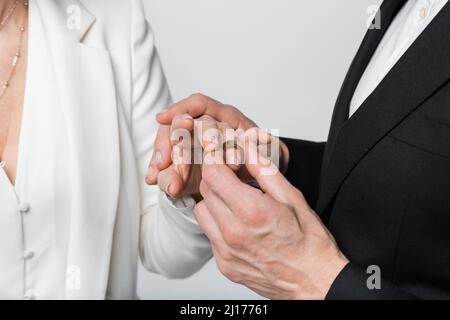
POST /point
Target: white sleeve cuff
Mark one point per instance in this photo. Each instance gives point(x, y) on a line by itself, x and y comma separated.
point(180, 211)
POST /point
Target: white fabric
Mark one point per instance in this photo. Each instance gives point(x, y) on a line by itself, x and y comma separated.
point(407, 26)
point(80, 213)
point(31, 242)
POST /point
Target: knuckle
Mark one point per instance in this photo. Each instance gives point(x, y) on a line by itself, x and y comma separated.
point(199, 98)
point(228, 271)
point(197, 95)
point(179, 121)
point(298, 194)
point(179, 134)
point(255, 216)
point(226, 256)
point(207, 119)
point(233, 237)
point(223, 268)
point(231, 109)
point(177, 118)
point(299, 199)
point(235, 277)
point(237, 114)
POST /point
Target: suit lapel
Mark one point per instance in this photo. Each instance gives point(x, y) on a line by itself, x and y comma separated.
point(86, 91)
point(418, 74)
point(388, 11)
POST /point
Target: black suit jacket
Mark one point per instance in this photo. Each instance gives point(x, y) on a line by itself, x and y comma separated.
point(384, 174)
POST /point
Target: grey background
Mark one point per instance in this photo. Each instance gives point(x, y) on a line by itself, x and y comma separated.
point(280, 61)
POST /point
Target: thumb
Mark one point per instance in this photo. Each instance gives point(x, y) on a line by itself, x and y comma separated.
point(170, 182)
point(161, 157)
point(269, 177)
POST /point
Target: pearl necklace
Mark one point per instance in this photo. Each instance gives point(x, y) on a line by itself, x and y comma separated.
point(9, 13)
point(4, 86)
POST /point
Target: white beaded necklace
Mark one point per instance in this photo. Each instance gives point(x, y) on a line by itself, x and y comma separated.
point(15, 59)
point(9, 13)
point(5, 85)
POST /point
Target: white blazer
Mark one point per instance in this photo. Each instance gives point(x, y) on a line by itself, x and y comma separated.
point(110, 86)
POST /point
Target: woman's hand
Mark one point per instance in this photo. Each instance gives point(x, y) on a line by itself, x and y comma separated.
point(191, 139)
point(187, 139)
point(177, 158)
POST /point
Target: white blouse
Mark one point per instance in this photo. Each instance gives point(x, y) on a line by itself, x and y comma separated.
point(30, 244)
point(35, 213)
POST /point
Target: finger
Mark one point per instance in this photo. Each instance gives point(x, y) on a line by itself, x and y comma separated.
point(208, 133)
point(226, 185)
point(258, 135)
point(234, 157)
point(208, 224)
point(181, 127)
point(174, 180)
point(223, 216)
point(198, 105)
point(162, 155)
point(269, 177)
point(170, 181)
point(221, 249)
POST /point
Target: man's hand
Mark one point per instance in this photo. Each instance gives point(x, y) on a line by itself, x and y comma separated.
point(270, 241)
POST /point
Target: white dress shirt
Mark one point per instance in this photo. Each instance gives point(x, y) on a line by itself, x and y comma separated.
point(406, 27)
point(35, 214)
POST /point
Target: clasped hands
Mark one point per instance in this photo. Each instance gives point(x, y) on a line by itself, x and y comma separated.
point(266, 238)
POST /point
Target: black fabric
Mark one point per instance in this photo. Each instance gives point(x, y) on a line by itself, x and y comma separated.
point(385, 180)
point(388, 11)
point(305, 166)
point(351, 284)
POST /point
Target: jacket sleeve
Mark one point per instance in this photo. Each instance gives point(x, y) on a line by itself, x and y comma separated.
point(304, 168)
point(351, 284)
point(171, 242)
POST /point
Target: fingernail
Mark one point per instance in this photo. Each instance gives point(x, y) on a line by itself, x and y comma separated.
point(168, 190)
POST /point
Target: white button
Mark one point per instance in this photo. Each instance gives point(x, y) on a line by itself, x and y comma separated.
point(24, 207)
point(29, 296)
point(423, 13)
point(28, 255)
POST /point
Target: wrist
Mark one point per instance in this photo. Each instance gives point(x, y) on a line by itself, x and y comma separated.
point(322, 279)
point(330, 272)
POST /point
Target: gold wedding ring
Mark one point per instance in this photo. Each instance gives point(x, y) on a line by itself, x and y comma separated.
point(233, 144)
